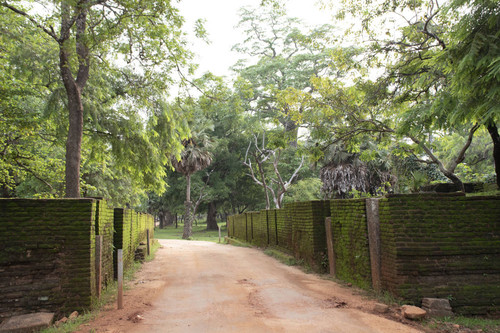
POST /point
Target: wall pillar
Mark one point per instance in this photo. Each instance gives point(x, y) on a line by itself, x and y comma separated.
point(329, 245)
point(373, 223)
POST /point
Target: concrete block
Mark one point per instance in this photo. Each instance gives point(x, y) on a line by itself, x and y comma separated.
point(27, 323)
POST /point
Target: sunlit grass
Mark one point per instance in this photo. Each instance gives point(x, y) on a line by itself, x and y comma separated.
point(478, 324)
point(200, 232)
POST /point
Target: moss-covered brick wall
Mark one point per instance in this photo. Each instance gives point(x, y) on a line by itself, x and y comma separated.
point(271, 226)
point(130, 230)
point(350, 241)
point(230, 226)
point(308, 232)
point(259, 222)
point(445, 246)
point(46, 255)
point(284, 226)
point(123, 224)
point(250, 217)
point(240, 226)
point(104, 226)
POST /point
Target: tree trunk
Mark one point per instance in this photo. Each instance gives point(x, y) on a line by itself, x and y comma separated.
point(458, 183)
point(188, 218)
point(263, 177)
point(212, 216)
point(495, 137)
point(75, 134)
point(161, 216)
point(74, 89)
point(188, 221)
point(176, 221)
point(169, 218)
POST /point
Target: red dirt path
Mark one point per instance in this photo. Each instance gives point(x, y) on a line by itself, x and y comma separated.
point(196, 286)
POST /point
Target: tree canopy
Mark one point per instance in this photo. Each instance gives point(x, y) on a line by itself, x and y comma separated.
point(408, 96)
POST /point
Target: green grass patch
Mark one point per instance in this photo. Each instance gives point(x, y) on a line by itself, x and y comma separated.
point(283, 257)
point(472, 323)
point(237, 242)
point(200, 232)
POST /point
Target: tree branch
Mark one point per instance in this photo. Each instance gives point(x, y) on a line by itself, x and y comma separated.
point(48, 31)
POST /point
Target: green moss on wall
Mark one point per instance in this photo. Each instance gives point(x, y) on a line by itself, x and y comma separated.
point(350, 241)
point(442, 246)
point(46, 246)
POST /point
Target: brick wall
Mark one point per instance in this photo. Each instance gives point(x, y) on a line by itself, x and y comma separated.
point(284, 226)
point(350, 241)
point(308, 232)
point(46, 255)
point(240, 226)
point(105, 228)
point(298, 229)
point(445, 246)
point(229, 225)
point(432, 245)
point(260, 236)
point(271, 225)
point(47, 252)
point(130, 231)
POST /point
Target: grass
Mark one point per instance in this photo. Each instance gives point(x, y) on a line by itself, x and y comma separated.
point(200, 232)
point(107, 296)
point(473, 323)
point(283, 257)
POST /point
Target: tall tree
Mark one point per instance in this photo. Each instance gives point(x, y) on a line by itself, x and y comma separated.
point(195, 157)
point(441, 58)
point(288, 56)
point(87, 33)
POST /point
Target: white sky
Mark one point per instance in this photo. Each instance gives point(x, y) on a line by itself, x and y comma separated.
point(221, 18)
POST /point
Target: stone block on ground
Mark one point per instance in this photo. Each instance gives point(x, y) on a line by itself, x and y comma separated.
point(73, 315)
point(437, 307)
point(27, 323)
point(413, 312)
point(380, 308)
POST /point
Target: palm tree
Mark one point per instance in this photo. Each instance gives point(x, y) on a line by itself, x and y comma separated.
point(345, 172)
point(194, 157)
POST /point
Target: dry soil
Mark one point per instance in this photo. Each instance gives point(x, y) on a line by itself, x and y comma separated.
point(194, 286)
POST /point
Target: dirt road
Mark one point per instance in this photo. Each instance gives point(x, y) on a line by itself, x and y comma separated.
point(206, 287)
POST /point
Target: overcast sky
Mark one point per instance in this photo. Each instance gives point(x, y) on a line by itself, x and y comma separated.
point(221, 18)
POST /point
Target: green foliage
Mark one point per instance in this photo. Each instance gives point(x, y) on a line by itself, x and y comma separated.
point(127, 126)
point(307, 189)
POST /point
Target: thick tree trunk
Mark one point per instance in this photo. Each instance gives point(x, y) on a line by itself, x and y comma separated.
point(74, 140)
point(458, 183)
point(212, 216)
point(74, 89)
point(161, 216)
point(169, 218)
point(495, 137)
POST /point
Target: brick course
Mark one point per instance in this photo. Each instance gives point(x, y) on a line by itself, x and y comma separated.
point(47, 252)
